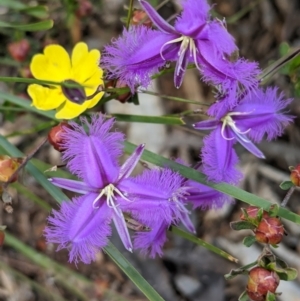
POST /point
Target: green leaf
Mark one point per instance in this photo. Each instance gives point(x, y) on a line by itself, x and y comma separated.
point(286, 185)
point(202, 243)
point(242, 270)
point(270, 297)
point(244, 296)
point(281, 263)
point(38, 11)
point(249, 240)
point(242, 225)
point(43, 25)
point(274, 210)
point(172, 120)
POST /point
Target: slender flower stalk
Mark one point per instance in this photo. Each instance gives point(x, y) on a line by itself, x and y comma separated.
point(259, 114)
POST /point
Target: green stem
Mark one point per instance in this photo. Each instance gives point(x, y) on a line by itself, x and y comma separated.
point(173, 98)
point(129, 15)
point(202, 243)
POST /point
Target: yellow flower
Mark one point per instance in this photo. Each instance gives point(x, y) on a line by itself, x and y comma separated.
point(56, 65)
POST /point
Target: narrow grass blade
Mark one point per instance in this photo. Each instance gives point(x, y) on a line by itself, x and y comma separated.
point(202, 243)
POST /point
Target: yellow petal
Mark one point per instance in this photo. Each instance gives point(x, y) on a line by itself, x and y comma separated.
point(70, 110)
point(80, 50)
point(44, 98)
point(86, 67)
point(93, 82)
point(53, 65)
point(91, 103)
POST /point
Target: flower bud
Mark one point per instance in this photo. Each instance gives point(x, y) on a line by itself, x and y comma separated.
point(140, 17)
point(269, 231)
point(8, 166)
point(85, 8)
point(252, 213)
point(19, 50)
point(123, 97)
point(295, 175)
point(74, 94)
point(2, 237)
point(55, 135)
point(260, 282)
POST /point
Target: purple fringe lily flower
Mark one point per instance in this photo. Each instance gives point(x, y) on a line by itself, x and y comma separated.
point(82, 225)
point(195, 38)
point(259, 114)
point(158, 200)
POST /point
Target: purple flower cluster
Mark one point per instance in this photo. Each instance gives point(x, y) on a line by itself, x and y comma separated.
point(156, 199)
point(242, 112)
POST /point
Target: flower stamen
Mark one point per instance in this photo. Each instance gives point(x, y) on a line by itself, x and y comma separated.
point(186, 43)
point(109, 191)
point(227, 120)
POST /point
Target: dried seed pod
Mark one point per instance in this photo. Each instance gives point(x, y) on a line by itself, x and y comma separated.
point(295, 175)
point(260, 282)
point(252, 212)
point(270, 231)
point(8, 166)
point(139, 17)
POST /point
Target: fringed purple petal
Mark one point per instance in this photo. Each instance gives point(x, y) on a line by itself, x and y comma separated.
point(220, 71)
point(151, 243)
point(93, 156)
point(122, 229)
point(131, 162)
point(156, 190)
point(206, 125)
point(219, 158)
point(159, 22)
point(72, 185)
point(220, 37)
point(195, 13)
point(204, 197)
point(225, 103)
point(80, 227)
point(265, 116)
point(136, 55)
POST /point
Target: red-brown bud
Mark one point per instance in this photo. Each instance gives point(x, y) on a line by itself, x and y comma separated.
point(140, 17)
point(269, 231)
point(123, 97)
point(8, 166)
point(260, 282)
point(19, 50)
point(295, 175)
point(2, 237)
point(85, 8)
point(55, 135)
point(252, 213)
